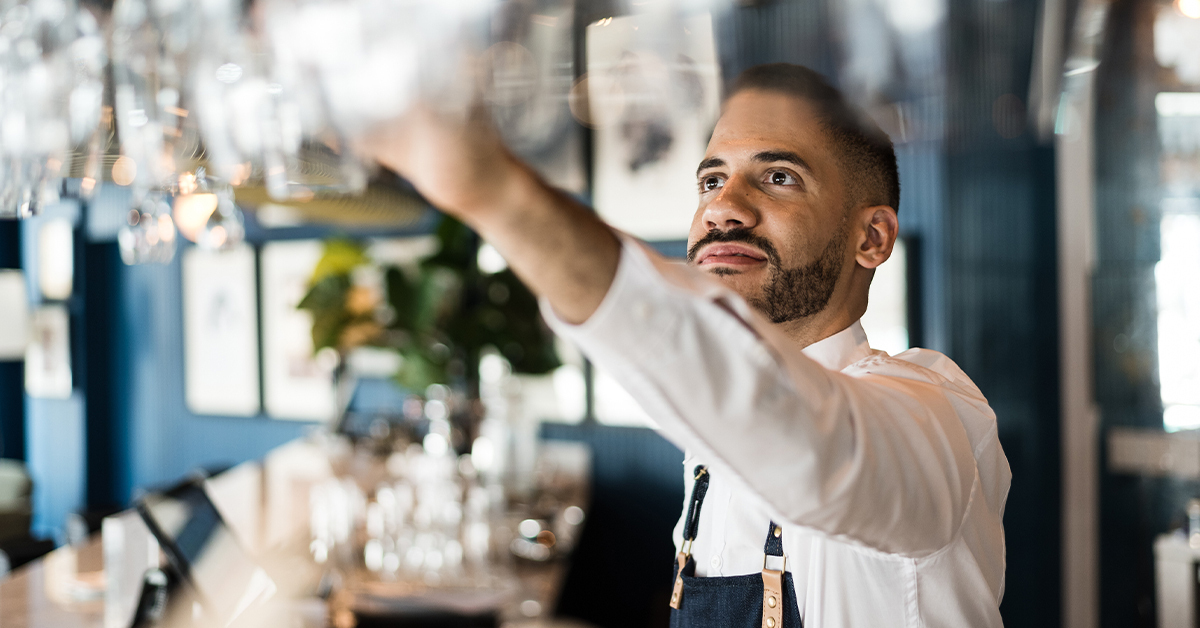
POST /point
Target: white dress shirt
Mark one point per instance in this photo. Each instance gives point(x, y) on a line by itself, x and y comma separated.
point(885, 472)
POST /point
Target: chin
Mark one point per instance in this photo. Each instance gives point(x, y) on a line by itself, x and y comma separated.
point(737, 281)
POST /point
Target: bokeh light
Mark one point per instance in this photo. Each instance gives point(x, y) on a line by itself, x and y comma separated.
point(124, 171)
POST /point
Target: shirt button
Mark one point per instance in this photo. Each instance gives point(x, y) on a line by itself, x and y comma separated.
point(715, 562)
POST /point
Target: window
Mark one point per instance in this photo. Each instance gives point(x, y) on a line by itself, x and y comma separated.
point(1177, 277)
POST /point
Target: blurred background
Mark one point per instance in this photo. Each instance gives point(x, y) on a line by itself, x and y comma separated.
point(196, 274)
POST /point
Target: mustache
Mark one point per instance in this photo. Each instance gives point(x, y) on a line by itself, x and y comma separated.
point(737, 234)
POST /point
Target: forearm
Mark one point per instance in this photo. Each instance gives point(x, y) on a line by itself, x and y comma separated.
point(556, 245)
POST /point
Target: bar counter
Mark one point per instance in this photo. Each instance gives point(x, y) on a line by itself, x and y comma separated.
point(266, 504)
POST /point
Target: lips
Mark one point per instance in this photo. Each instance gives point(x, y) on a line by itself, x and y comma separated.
point(731, 254)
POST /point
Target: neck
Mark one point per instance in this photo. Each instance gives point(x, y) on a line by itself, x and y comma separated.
point(815, 328)
point(847, 304)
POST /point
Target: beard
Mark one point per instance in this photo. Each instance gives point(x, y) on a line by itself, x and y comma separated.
point(789, 293)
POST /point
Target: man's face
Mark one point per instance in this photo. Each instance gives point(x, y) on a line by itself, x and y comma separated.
point(772, 221)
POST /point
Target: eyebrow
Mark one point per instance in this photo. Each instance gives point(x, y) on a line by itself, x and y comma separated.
point(711, 162)
point(767, 156)
point(788, 156)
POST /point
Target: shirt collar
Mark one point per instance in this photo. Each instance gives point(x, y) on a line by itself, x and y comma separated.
point(841, 349)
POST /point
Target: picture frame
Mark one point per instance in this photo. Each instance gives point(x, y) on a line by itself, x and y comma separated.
point(220, 319)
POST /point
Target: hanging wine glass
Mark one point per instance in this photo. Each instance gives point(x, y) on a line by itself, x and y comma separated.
point(204, 211)
point(149, 236)
point(149, 43)
point(51, 64)
point(350, 64)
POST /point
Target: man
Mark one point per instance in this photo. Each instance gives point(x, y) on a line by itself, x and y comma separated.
point(831, 485)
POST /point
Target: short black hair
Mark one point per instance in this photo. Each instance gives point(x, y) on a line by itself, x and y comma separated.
point(866, 154)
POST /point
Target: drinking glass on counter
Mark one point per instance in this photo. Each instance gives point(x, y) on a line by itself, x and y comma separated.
point(423, 524)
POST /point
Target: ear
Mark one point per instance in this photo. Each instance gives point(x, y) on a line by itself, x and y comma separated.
point(879, 228)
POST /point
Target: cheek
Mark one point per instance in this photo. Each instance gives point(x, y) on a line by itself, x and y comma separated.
point(697, 230)
point(787, 236)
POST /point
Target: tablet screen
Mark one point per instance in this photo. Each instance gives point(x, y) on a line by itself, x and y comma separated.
point(205, 552)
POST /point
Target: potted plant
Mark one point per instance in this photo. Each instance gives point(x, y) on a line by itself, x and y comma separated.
point(439, 315)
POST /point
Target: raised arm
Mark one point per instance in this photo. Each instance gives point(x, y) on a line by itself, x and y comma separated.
point(559, 248)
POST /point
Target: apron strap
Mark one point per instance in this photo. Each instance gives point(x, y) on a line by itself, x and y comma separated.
point(772, 606)
point(690, 526)
point(774, 545)
point(699, 488)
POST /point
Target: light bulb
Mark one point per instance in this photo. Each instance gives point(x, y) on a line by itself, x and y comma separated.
point(192, 212)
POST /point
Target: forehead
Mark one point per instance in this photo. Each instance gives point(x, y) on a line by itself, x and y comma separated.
point(754, 120)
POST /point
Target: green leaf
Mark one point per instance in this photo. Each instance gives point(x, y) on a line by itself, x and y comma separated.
point(419, 369)
point(457, 248)
point(326, 302)
point(341, 257)
point(402, 296)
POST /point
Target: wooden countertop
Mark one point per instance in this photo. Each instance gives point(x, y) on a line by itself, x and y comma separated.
point(265, 503)
point(38, 595)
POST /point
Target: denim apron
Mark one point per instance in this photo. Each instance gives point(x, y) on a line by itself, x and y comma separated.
point(766, 600)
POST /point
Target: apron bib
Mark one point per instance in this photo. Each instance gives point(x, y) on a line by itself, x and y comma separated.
point(766, 600)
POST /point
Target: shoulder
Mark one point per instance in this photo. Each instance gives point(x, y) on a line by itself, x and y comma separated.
point(923, 365)
point(934, 378)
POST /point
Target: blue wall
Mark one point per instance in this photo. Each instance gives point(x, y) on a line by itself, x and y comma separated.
point(140, 432)
point(1000, 280)
point(54, 429)
point(625, 552)
point(125, 425)
point(55, 459)
point(158, 439)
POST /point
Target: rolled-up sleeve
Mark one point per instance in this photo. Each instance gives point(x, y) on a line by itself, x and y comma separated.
point(878, 460)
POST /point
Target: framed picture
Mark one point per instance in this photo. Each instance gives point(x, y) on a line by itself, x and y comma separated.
point(220, 326)
point(295, 385)
point(48, 357)
point(14, 315)
point(654, 92)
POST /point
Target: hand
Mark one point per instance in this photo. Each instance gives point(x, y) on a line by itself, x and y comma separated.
point(456, 160)
point(560, 248)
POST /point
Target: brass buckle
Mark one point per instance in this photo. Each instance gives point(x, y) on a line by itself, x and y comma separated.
point(766, 556)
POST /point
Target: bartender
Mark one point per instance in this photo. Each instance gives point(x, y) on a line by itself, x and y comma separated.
point(830, 484)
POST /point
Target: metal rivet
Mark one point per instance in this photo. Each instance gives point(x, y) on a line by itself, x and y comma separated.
point(771, 601)
point(770, 622)
point(778, 531)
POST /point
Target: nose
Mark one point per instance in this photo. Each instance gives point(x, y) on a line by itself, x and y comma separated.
point(731, 208)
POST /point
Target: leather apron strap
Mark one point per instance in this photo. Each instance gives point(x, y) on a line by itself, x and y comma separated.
point(690, 526)
point(772, 605)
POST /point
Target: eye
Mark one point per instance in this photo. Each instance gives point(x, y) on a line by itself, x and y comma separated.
point(710, 183)
point(781, 177)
